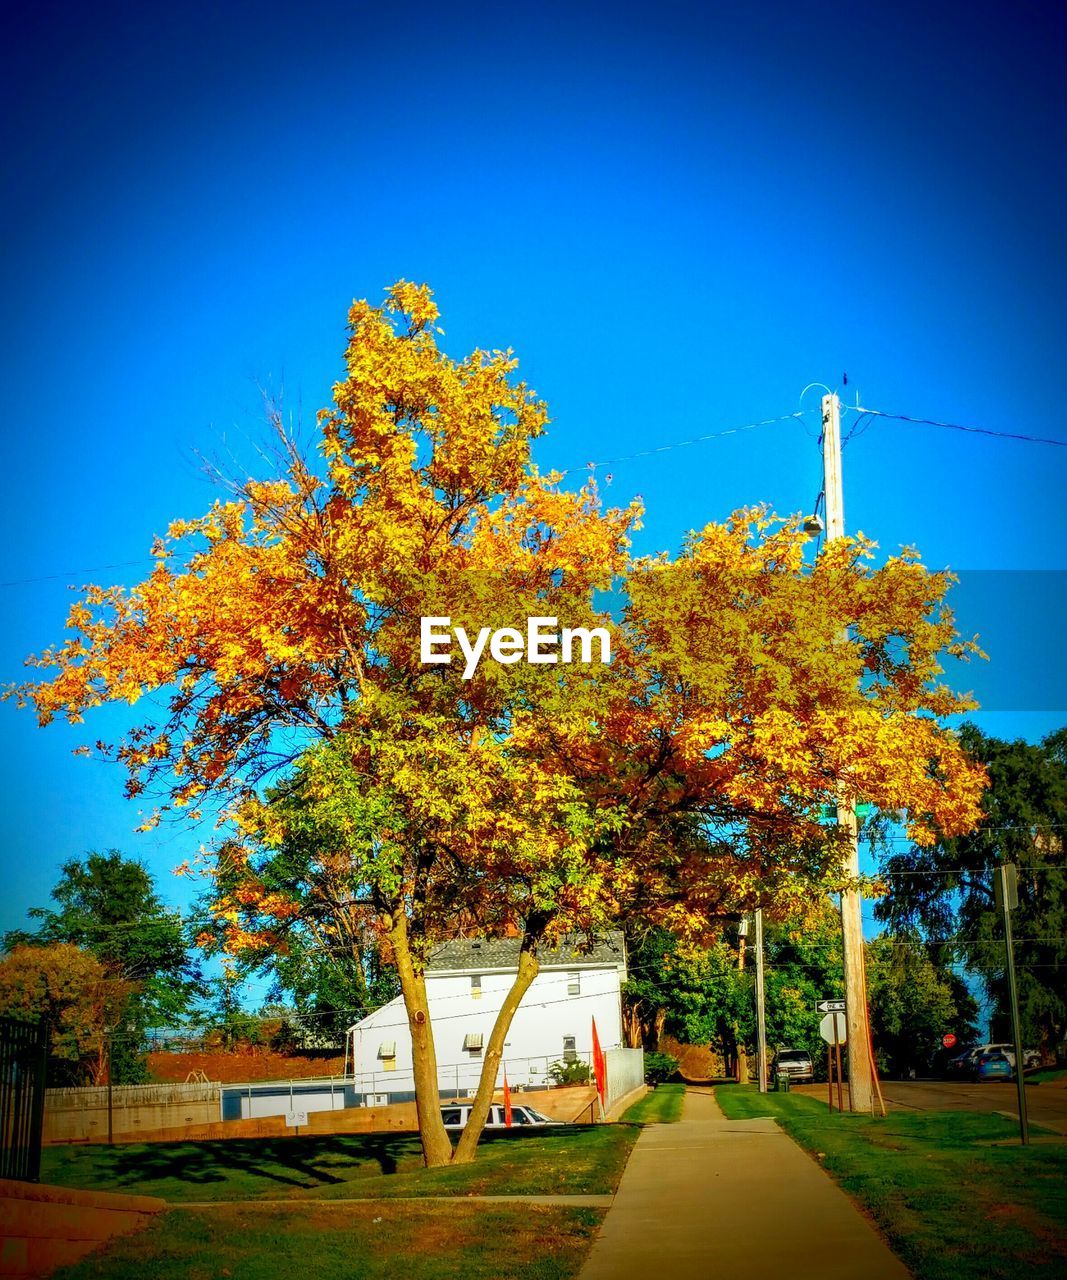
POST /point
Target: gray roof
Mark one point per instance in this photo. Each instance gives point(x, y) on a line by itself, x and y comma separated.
point(474, 955)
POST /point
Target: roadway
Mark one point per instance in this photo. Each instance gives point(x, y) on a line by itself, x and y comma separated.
point(1046, 1103)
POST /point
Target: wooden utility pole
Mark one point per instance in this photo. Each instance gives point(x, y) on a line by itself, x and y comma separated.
point(742, 1055)
point(1006, 896)
point(761, 1020)
point(860, 1086)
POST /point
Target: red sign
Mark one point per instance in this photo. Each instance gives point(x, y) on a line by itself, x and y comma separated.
point(948, 1039)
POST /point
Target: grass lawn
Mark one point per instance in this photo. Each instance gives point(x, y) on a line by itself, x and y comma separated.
point(562, 1161)
point(338, 1242)
point(662, 1105)
point(950, 1202)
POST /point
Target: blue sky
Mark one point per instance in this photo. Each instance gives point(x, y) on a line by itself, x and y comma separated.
point(678, 216)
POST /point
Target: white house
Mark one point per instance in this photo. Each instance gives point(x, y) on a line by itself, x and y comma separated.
point(466, 981)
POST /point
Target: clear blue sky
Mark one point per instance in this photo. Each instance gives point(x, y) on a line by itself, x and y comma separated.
point(678, 215)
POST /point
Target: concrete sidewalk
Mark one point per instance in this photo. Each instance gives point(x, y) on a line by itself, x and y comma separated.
point(711, 1197)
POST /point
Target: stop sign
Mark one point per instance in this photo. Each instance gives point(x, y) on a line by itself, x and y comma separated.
point(948, 1039)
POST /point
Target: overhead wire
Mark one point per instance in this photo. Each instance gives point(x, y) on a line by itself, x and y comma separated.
point(957, 426)
point(797, 415)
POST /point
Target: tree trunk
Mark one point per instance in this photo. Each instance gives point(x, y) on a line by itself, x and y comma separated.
point(436, 1145)
point(631, 1026)
point(529, 966)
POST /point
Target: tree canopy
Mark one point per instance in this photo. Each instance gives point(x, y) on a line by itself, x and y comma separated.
point(680, 784)
point(944, 892)
point(81, 1002)
point(107, 905)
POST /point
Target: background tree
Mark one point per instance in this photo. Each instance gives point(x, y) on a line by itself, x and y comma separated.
point(83, 1004)
point(913, 1003)
point(699, 995)
point(107, 905)
point(326, 958)
point(944, 893)
point(803, 965)
point(647, 994)
point(695, 993)
point(680, 785)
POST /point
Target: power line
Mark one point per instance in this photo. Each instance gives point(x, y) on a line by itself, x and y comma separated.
point(957, 871)
point(798, 416)
point(70, 573)
point(956, 426)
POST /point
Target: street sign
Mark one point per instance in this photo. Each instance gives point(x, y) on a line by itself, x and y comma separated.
point(832, 1028)
point(830, 1006)
point(294, 1119)
point(1006, 887)
point(948, 1040)
point(828, 812)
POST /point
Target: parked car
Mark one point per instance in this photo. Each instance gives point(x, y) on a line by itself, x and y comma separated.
point(457, 1115)
point(794, 1063)
point(1031, 1057)
point(993, 1066)
point(961, 1067)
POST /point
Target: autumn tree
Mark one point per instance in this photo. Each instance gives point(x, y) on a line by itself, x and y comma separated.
point(107, 905)
point(681, 784)
point(83, 1005)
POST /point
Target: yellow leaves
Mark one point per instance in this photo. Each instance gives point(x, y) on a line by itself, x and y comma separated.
point(413, 300)
point(746, 685)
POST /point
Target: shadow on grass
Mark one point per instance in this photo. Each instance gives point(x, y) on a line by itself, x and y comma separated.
point(250, 1167)
point(249, 1163)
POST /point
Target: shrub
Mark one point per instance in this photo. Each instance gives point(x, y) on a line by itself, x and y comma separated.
point(659, 1067)
point(569, 1072)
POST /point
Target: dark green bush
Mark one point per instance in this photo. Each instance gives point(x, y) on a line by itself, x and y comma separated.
point(659, 1067)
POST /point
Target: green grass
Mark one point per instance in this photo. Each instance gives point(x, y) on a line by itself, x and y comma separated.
point(1045, 1075)
point(340, 1242)
point(662, 1105)
point(565, 1161)
point(950, 1202)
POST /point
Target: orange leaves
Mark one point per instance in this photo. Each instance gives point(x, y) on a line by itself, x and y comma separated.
point(281, 630)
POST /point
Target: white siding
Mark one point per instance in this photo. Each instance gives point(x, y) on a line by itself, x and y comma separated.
point(535, 1040)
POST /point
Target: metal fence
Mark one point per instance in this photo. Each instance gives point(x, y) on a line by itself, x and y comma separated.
point(23, 1060)
point(626, 1072)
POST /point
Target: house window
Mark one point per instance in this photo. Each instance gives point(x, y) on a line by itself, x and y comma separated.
point(476, 986)
point(570, 1051)
point(574, 984)
point(387, 1054)
point(472, 1042)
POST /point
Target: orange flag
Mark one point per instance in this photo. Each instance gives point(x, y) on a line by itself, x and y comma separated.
point(600, 1066)
point(507, 1101)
